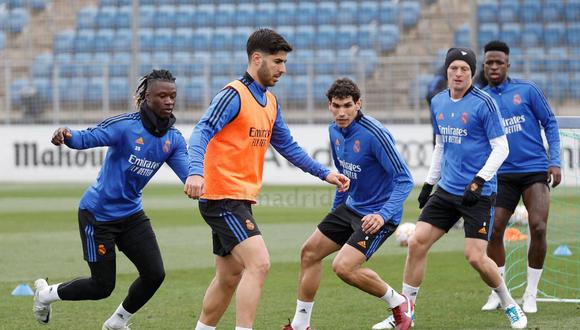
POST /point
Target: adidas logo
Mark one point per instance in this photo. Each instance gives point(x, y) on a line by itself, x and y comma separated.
point(302, 311)
point(120, 315)
point(482, 230)
point(363, 244)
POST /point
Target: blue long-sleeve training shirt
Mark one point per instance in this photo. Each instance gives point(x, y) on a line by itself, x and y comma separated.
point(224, 107)
point(525, 111)
point(466, 127)
point(380, 180)
point(133, 157)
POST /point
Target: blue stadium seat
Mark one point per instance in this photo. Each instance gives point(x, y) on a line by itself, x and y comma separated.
point(532, 35)
point(557, 59)
point(324, 60)
point(286, 14)
point(516, 59)
point(184, 17)
point(64, 42)
point(194, 90)
point(553, 10)
point(118, 90)
point(16, 88)
point(305, 36)
point(163, 60)
point(119, 66)
point(219, 82)
point(223, 39)
point(299, 89)
point(106, 17)
point(530, 11)
point(366, 36)
point(37, 5)
point(165, 18)
point(201, 61)
point(82, 63)
point(321, 84)
point(462, 37)
point(44, 88)
point(2, 40)
point(574, 59)
point(288, 32)
point(72, 90)
point(205, 16)
point(221, 62)
point(240, 37)
point(509, 11)
point(573, 34)
point(145, 63)
point(346, 36)
point(573, 11)
point(346, 63)
point(202, 38)
point(575, 85)
point(163, 40)
point(124, 3)
point(17, 20)
point(368, 12)
point(123, 18)
point(225, 15)
point(326, 12)
point(107, 3)
point(87, 18)
point(267, 15)
point(146, 40)
point(540, 79)
point(511, 33)
point(487, 11)
point(94, 91)
point(326, 37)
point(347, 12)
point(104, 40)
point(147, 17)
point(42, 66)
point(240, 62)
point(389, 12)
point(487, 33)
point(300, 62)
point(183, 40)
point(244, 15)
point(122, 41)
point(370, 60)
point(84, 41)
point(389, 37)
point(100, 61)
point(306, 13)
point(554, 34)
point(535, 58)
point(63, 62)
point(410, 13)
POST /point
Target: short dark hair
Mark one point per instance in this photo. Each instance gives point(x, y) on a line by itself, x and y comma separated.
point(267, 41)
point(162, 75)
point(496, 45)
point(342, 88)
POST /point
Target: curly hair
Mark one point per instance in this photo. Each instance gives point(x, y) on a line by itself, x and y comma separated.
point(342, 88)
point(161, 75)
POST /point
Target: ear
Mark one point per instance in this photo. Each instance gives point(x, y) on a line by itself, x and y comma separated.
point(358, 104)
point(256, 58)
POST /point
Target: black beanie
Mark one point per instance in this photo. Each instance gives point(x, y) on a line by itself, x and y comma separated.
point(462, 54)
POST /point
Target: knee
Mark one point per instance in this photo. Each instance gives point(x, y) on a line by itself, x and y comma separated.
point(343, 270)
point(260, 268)
point(475, 260)
point(155, 277)
point(104, 287)
point(308, 255)
point(416, 246)
point(538, 229)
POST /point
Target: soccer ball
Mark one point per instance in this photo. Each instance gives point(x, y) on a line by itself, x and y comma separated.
point(520, 216)
point(404, 232)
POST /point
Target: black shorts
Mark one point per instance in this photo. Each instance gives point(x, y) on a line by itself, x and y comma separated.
point(343, 226)
point(443, 210)
point(100, 237)
point(231, 222)
point(510, 187)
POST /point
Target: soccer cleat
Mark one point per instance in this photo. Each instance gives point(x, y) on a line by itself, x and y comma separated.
point(41, 310)
point(518, 319)
point(492, 303)
point(403, 315)
point(289, 326)
point(107, 326)
point(529, 303)
point(388, 323)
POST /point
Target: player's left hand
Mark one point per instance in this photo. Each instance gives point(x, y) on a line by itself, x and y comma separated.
point(472, 192)
point(339, 180)
point(371, 223)
point(554, 176)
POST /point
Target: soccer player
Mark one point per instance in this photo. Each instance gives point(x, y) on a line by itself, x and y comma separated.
point(470, 147)
point(362, 218)
point(227, 150)
point(110, 211)
point(527, 171)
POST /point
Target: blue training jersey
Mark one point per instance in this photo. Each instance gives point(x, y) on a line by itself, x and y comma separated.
point(380, 180)
point(525, 111)
point(224, 107)
point(133, 157)
point(466, 127)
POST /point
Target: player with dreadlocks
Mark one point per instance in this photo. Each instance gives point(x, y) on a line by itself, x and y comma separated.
point(110, 211)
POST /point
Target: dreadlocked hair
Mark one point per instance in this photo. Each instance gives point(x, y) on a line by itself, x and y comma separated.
point(161, 75)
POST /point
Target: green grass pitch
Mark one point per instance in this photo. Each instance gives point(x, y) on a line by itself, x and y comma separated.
point(39, 238)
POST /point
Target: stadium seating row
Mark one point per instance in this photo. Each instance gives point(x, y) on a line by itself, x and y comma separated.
point(36, 5)
point(247, 14)
point(528, 11)
point(13, 20)
point(383, 38)
point(531, 35)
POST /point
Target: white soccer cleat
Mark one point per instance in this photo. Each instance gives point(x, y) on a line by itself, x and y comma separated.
point(492, 303)
point(41, 310)
point(518, 319)
point(107, 326)
point(529, 303)
point(389, 323)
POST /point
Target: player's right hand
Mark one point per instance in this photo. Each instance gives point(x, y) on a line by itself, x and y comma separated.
point(424, 194)
point(194, 186)
point(59, 135)
point(339, 180)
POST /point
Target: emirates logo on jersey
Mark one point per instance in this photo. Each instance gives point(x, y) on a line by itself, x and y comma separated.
point(517, 100)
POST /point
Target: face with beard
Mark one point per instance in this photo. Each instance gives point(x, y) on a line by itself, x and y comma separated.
point(271, 68)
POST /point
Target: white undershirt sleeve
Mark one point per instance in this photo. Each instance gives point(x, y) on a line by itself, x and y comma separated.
point(435, 169)
point(499, 152)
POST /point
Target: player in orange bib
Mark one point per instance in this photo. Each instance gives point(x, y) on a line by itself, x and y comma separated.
point(227, 149)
